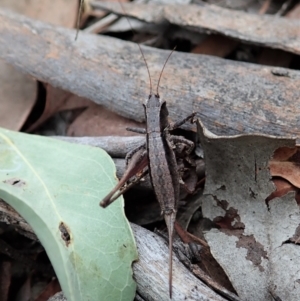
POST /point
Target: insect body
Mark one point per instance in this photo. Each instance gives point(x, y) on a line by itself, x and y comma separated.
point(162, 166)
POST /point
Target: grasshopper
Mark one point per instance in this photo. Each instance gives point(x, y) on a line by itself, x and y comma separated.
point(156, 157)
point(158, 154)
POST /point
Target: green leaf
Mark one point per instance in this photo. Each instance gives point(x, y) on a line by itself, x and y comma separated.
point(56, 186)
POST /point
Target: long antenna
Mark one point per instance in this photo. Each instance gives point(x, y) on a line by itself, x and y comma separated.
point(162, 70)
point(139, 48)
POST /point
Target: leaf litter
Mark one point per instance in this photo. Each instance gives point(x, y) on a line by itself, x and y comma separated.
point(232, 222)
point(253, 240)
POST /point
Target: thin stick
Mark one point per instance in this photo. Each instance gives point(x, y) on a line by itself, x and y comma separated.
point(79, 18)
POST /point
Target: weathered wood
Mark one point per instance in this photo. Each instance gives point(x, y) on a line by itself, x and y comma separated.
point(231, 97)
point(265, 30)
point(153, 258)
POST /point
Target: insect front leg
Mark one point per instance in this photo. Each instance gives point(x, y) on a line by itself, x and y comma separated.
point(136, 162)
point(173, 126)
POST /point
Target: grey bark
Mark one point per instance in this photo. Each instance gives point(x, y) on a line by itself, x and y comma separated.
point(231, 97)
point(265, 30)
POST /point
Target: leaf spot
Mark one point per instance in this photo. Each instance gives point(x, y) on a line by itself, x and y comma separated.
point(65, 233)
point(15, 182)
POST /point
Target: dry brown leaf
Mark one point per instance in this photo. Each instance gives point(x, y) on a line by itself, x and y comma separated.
point(58, 100)
point(98, 121)
point(286, 164)
point(284, 153)
point(283, 187)
point(17, 96)
point(287, 170)
point(216, 45)
point(58, 12)
point(18, 91)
